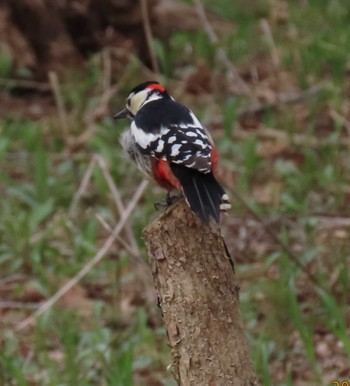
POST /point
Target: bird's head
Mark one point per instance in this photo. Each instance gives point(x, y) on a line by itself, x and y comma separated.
point(139, 96)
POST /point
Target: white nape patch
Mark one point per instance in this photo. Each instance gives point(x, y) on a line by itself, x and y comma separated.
point(153, 97)
point(142, 138)
point(173, 139)
point(175, 150)
point(160, 146)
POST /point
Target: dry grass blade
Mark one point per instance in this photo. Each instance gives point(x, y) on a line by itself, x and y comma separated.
point(102, 109)
point(96, 259)
point(265, 26)
point(62, 114)
point(221, 53)
point(149, 36)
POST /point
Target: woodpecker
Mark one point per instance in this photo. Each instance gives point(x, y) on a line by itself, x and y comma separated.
point(167, 142)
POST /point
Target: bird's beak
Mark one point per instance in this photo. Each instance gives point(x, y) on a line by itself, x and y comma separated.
point(122, 114)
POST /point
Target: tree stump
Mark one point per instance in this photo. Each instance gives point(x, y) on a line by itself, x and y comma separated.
point(199, 298)
point(46, 35)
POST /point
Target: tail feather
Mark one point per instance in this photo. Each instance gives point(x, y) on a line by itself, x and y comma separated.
point(213, 205)
point(199, 205)
point(204, 194)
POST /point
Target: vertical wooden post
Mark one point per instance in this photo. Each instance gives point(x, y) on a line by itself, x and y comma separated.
point(199, 298)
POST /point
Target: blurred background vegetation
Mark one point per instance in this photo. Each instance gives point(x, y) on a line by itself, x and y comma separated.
point(271, 80)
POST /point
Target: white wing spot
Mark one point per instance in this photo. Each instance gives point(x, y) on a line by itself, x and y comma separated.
point(175, 150)
point(199, 142)
point(172, 139)
point(191, 134)
point(160, 146)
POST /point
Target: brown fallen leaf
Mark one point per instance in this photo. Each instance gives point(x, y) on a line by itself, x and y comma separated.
point(268, 193)
point(272, 148)
point(77, 299)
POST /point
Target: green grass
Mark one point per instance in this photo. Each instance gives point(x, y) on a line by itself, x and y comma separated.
point(118, 339)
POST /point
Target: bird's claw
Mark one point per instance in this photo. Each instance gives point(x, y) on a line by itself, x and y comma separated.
point(169, 200)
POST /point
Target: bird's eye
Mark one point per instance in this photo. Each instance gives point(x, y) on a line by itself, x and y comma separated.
point(128, 102)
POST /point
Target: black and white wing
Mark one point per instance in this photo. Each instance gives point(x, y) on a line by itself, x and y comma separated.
point(168, 130)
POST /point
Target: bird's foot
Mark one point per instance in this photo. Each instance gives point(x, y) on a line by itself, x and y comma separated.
point(173, 196)
point(169, 200)
point(162, 204)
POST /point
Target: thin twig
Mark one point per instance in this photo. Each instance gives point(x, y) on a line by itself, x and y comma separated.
point(123, 243)
point(27, 361)
point(107, 69)
point(118, 201)
point(282, 98)
point(293, 257)
point(104, 223)
point(19, 305)
point(28, 84)
point(295, 139)
point(83, 185)
point(12, 278)
point(19, 156)
point(213, 38)
point(149, 36)
point(102, 109)
point(96, 259)
point(120, 240)
point(342, 120)
point(221, 53)
point(327, 222)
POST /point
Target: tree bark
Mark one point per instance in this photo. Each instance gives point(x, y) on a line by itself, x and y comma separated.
point(199, 298)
